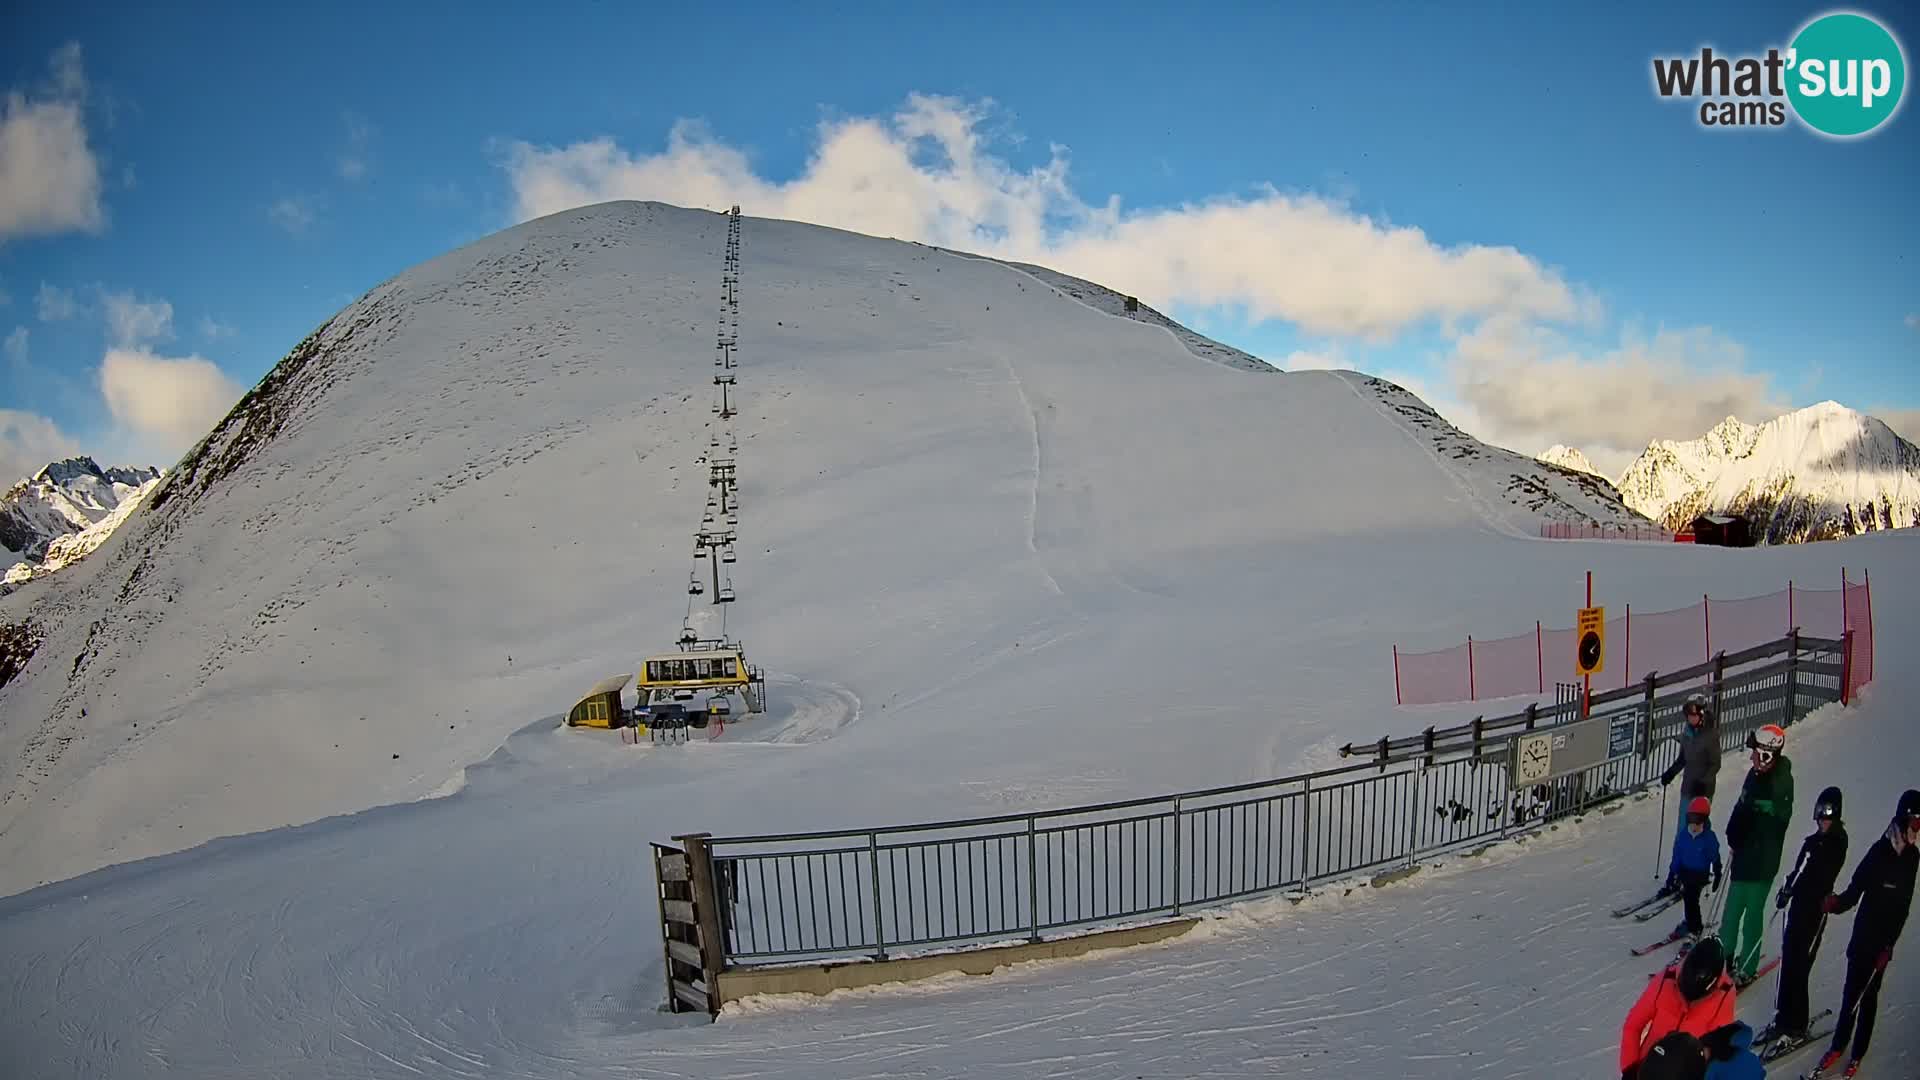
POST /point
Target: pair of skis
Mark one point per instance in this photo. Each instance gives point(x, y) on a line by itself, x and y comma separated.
point(1778, 1047)
point(1649, 908)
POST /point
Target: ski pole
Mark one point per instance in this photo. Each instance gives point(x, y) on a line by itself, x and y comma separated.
point(1660, 838)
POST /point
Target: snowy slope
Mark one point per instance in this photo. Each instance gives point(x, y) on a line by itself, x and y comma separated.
point(493, 933)
point(1568, 457)
point(1814, 474)
point(1000, 550)
point(1513, 492)
point(950, 468)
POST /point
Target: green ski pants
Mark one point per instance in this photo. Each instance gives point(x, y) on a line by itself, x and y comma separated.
point(1744, 925)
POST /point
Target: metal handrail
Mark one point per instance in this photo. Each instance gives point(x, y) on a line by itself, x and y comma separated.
point(968, 881)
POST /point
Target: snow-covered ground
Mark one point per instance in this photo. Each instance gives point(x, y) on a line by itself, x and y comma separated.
point(507, 931)
point(999, 550)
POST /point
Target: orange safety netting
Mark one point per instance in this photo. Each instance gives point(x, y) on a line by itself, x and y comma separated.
point(1640, 644)
point(1582, 530)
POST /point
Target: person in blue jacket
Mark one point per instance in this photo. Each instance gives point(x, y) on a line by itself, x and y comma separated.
point(1730, 1054)
point(1695, 863)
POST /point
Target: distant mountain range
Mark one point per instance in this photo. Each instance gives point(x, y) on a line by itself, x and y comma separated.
point(1821, 472)
point(64, 511)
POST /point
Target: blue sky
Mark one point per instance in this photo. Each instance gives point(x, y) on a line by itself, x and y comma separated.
point(1590, 264)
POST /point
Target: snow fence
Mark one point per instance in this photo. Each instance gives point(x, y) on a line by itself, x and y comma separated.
point(1638, 643)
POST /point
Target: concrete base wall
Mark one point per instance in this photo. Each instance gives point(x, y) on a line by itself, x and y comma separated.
point(738, 983)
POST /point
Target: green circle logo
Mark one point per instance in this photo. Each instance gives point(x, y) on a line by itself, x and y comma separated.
point(1845, 74)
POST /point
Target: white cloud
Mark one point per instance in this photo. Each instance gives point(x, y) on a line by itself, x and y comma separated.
point(926, 174)
point(1913, 322)
point(136, 322)
point(1329, 359)
point(213, 329)
point(49, 177)
point(171, 401)
point(27, 442)
point(293, 213)
point(355, 160)
point(1526, 388)
point(54, 304)
point(1904, 422)
point(16, 347)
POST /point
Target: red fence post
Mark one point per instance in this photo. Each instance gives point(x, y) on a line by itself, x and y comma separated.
point(1539, 657)
point(1396, 675)
point(1867, 578)
point(1473, 693)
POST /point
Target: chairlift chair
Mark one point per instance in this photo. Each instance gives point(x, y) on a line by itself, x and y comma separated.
point(726, 555)
point(694, 588)
point(726, 593)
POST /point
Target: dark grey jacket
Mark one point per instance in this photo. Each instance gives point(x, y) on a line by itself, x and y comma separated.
point(1699, 760)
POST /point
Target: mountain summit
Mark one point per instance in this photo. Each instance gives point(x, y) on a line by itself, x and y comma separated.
point(1817, 473)
point(63, 499)
point(473, 493)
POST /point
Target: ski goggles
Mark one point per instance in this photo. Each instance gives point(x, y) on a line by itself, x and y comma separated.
point(1764, 756)
point(1826, 812)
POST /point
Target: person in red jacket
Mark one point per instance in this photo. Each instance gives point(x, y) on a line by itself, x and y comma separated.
point(1695, 995)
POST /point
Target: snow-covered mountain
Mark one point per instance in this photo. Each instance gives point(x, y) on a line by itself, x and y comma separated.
point(1567, 457)
point(470, 494)
point(1001, 550)
point(68, 548)
point(62, 499)
point(1821, 472)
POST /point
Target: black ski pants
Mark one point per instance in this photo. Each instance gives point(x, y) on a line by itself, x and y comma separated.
point(1691, 882)
point(1798, 948)
point(1858, 1004)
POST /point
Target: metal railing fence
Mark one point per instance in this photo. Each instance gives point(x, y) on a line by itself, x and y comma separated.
point(968, 883)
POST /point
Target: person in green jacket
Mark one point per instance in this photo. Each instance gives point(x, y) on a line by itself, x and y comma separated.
point(1756, 833)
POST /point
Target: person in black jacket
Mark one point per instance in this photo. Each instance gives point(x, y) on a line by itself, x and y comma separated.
point(1823, 854)
point(1698, 765)
point(1883, 887)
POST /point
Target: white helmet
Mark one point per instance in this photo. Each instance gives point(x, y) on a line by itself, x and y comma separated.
point(1770, 739)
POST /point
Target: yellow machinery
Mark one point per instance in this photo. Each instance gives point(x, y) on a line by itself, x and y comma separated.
point(711, 667)
point(601, 706)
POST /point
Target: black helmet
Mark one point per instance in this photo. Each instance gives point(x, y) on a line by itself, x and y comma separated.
point(1909, 808)
point(1827, 805)
point(1678, 1056)
point(1702, 968)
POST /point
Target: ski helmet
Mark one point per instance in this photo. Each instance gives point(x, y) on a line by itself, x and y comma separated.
point(1908, 812)
point(1696, 705)
point(1769, 740)
point(1702, 968)
point(1827, 807)
point(1700, 809)
point(1677, 1056)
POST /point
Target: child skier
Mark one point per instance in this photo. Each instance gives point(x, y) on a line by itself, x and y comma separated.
point(1696, 859)
point(1823, 854)
point(1883, 887)
point(1693, 995)
point(1757, 831)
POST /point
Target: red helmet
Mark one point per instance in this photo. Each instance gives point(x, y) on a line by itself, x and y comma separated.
point(1700, 806)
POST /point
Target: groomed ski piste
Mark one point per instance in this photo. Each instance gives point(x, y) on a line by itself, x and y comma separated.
point(1001, 550)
